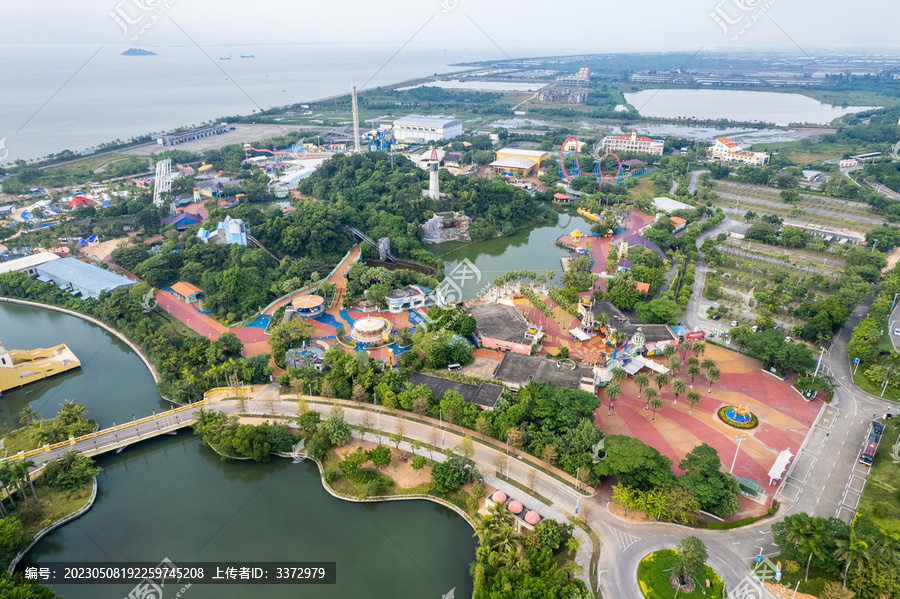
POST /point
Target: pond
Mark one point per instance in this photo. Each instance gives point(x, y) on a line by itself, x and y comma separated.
point(744, 106)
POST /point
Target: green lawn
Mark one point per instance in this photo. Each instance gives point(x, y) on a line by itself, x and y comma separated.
point(881, 497)
point(170, 326)
point(818, 578)
point(866, 385)
point(653, 578)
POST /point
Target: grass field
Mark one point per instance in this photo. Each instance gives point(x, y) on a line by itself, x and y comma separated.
point(814, 586)
point(653, 578)
point(866, 385)
point(171, 326)
point(881, 497)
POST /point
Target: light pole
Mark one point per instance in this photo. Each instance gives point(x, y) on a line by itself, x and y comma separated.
point(737, 438)
point(441, 417)
point(577, 480)
point(819, 363)
point(507, 465)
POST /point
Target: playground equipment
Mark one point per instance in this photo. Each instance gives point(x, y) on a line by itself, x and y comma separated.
point(619, 178)
point(380, 139)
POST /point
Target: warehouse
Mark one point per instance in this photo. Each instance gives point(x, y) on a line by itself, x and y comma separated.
point(427, 128)
point(76, 276)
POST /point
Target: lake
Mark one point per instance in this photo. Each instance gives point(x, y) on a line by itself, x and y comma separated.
point(531, 248)
point(171, 498)
point(747, 106)
point(113, 384)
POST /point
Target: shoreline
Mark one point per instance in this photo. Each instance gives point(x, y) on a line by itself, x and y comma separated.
point(144, 358)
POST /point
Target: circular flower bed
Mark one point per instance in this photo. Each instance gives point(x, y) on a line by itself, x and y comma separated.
point(752, 423)
point(655, 579)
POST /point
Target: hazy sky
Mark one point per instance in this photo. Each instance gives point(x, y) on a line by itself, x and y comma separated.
point(488, 28)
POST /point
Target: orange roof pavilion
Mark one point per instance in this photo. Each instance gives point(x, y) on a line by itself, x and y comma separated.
point(186, 291)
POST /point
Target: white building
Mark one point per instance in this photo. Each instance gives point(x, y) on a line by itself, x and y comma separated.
point(728, 151)
point(633, 143)
point(27, 264)
point(428, 128)
point(849, 163)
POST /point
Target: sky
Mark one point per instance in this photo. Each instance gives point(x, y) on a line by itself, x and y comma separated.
point(489, 29)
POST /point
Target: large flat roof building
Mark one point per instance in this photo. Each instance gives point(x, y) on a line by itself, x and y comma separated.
point(669, 205)
point(498, 326)
point(536, 156)
point(27, 264)
point(484, 395)
point(517, 371)
point(80, 277)
point(428, 128)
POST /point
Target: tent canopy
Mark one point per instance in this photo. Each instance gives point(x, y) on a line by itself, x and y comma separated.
point(781, 462)
point(579, 334)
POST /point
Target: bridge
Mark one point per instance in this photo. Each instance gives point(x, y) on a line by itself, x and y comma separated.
point(383, 245)
point(116, 437)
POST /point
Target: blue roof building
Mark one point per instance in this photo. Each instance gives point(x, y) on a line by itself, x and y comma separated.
point(229, 231)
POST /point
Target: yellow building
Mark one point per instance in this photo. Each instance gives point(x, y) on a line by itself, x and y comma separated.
point(20, 367)
point(536, 156)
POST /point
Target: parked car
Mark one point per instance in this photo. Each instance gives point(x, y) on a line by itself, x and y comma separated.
point(735, 323)
point(716, 317)
point(897, 332)
point(878, 427)
point(788, 339)
point(754, 328)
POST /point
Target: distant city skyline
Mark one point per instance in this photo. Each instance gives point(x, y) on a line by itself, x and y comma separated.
point(486, 30)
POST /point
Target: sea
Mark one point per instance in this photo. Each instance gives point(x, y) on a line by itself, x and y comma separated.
point(73, 97)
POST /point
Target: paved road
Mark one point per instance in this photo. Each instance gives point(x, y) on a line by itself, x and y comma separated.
point(885, 191)
point(695, 315)
point(695, 178)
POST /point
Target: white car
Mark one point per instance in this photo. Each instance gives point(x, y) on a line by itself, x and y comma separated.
point(788, 339)
point(734, 323)
point(754, 328)
point(897, 332)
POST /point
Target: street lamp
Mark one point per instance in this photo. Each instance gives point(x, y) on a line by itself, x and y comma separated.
point(737, 438)
point(441, 417)
point(507, 465)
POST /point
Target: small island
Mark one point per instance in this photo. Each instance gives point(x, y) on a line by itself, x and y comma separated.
point(138, 52)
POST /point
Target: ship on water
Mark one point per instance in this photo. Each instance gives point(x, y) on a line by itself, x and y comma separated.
point(225, 57)
point(250, 56)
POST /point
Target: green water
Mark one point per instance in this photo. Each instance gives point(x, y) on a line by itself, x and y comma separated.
point(112, 383)
point(172, 498)
point(531, 248)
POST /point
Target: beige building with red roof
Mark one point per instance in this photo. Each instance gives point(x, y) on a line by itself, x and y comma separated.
point(729, 151)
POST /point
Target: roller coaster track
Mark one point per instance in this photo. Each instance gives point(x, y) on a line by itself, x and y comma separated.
point(255, 242)
point(387, 256)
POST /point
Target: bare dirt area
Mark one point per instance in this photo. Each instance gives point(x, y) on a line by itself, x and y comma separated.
point(401, 472)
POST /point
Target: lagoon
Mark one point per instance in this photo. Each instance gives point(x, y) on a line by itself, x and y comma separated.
point(737, 105)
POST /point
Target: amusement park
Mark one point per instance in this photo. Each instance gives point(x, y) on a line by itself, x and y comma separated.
point(621, 174)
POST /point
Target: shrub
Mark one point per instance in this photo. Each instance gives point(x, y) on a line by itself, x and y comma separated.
point(418, 462)
point(330, 475)
point(373, 487)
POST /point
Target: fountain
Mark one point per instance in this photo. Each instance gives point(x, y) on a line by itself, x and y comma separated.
point(738, 417)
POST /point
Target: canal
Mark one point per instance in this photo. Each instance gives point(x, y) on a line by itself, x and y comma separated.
point(531, 248)
point(172, 498)
point(112, 384)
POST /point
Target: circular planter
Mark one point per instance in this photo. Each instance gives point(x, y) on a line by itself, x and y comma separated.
point(753, 423)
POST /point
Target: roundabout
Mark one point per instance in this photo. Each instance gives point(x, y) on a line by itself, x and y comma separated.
point(657, 579)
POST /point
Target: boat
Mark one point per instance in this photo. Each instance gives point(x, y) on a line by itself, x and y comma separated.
point(225, 57)
point(250, 56)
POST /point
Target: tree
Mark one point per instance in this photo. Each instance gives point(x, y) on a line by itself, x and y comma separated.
point(337, 429)
point(359, 394)
point(328, 389)
point(678, 388)
point(835, 591)
point(693, 397)
point(691, 558)
point(712, 375)
point(651, 395)
point(612, 392)
point(380, 455)
point(466, 447)
point(17, 587)
point(708, 363)
point(22, 466)
point(655, 404)
point(641, 380)
point(634, 463)
point(309, 421)
point(549, 454)
point(852, 551)
point(514, 436)
point(420, 405)
point(447, 477)
point(716, 491)
point(12, 533)
point(531, 478)
point(70, 412)
point(483, 426)
point(28, 415)
point(661, 379)
point(70, 472)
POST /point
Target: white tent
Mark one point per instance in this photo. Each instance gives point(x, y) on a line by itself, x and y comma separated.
point(579, 334)
point(781, 463)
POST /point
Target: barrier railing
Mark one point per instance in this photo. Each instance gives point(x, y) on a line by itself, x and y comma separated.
point(244, 389)
point(96, 434)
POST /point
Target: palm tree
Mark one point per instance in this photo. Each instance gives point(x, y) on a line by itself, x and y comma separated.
point(6, 480)
point(618, 374)
point(655, 403)
point(674, 364)
point(806, 533)
point(708, 363)
point(641, 380)
point(712, 375)
point(852, 551)
point(661, 379)
point(678, 388)
point(651, 393)
point(71, 412)
point(612, 392)
point(693, 371)
point(28, 415)
point(693, 397)
point(699, 347)
point(22, 466)
point(669, 351)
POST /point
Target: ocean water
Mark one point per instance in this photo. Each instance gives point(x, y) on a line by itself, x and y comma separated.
point(56, 97)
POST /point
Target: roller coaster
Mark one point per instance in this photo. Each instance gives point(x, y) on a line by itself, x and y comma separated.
point(619, 178)
point(380, 139)
point(297, 152)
